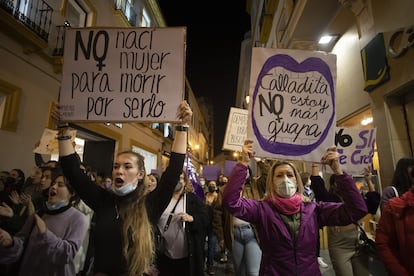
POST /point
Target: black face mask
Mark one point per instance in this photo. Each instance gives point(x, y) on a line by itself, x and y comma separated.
point(211, 189)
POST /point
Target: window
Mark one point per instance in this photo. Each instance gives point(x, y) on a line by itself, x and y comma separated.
point(145, 19)
point(75, 14)
point(126, 7)
point(150, 159)
point(9, 105)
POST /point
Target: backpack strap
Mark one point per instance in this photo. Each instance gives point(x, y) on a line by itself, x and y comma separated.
point(395, 191)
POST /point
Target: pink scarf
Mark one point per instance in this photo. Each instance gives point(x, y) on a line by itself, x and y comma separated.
point(287, 206)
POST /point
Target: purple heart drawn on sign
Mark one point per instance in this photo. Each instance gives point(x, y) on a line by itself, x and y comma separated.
point(290, 64)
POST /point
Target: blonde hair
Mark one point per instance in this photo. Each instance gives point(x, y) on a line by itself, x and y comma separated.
point(138, 244)
point(269, 182)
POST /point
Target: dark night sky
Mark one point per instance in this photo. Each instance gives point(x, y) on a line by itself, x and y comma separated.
point(215, 31)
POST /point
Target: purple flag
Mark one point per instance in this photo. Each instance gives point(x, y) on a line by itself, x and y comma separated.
point(192, 176)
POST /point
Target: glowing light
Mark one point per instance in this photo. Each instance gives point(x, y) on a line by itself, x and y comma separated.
point(325, 39)
point(367, 121)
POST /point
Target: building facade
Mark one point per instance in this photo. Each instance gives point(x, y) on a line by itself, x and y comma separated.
point(31, 52)
point(356, 25)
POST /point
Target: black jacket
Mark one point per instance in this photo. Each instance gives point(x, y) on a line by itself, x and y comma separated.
point(108, 241)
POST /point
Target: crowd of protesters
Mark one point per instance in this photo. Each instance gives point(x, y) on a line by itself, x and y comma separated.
point(64, 219)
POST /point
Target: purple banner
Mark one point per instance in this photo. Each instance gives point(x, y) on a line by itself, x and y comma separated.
point(211, 172)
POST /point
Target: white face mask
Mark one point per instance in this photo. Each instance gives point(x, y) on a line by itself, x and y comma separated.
point(124, 190)
point(56, 206)
point(285, 187)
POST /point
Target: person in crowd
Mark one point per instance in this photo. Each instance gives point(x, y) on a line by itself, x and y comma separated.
point(346, 257)
point(4, 175)
point(221, 181)
point(106, 183)
point(40, 195)
point(210, 200)
point(308, 192)
point(202, 181)
point(287, 226)
point(19, 179)
point(5, 180)
point(183, 226)
point(32, 183)
point(80, 258)
point(153, 180)
point(263, 168)
point(13, 216)
point(401, 180)
point(47, 245)
point(124, 218)
point(238, 236)
point(394, 234)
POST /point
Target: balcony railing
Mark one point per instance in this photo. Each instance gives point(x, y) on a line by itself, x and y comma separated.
point(127, 10)
point(35, 14)
point(60, 39)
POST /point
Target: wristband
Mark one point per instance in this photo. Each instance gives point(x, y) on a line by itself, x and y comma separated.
point(63, 137)
point(63, 126)
point(181, 128)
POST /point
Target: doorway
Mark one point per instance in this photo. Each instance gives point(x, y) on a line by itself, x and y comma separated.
point(97, 151)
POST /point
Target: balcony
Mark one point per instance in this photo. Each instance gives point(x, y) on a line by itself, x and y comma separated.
point(28, 22)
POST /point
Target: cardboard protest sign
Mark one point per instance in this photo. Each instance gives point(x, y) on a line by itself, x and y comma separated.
point(236, 130)
point(121, 75)
point(48, 143)
point(356, 148)
point(211, 172)
point(292, 107)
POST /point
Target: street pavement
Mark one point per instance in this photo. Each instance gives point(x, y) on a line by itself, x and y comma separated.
point(376, 269)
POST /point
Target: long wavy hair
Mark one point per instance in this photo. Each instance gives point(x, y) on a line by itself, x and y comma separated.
point(270, 191)
point(138, 244)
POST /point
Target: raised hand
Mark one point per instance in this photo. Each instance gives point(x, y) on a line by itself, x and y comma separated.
point(55, 114)
point(184, 112)
point(368, 178)
point(5, 239)
point(247, 152)
point(6, 211)
point(331, 158)
point(40, 223)
point(27, 201)
point(367, 174)
point(15, 198)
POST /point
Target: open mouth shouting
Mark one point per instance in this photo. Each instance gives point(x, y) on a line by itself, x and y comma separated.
point(119, 182)
point(52, 193)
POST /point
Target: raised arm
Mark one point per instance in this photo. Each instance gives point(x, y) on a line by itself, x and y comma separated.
point(240, 207)
point(159, 198)
point(184, 113)
point(353, 207)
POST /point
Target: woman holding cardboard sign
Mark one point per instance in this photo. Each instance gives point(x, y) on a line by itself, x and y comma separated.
point(288, 226)
point(125, 217)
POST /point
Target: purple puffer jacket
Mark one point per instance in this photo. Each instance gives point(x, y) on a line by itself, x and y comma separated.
point(280, 254)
